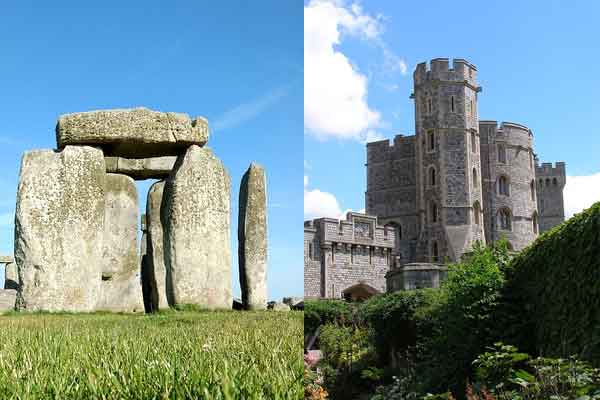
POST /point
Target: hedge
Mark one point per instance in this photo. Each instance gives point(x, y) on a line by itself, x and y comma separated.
point(552, 293)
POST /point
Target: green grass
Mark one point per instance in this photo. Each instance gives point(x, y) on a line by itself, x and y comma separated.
point(173, 355)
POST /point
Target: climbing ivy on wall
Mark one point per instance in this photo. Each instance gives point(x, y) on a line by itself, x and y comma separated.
point(552, 293)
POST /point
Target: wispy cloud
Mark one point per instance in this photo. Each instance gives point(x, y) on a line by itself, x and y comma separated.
point(7, 219)
point(246, 111)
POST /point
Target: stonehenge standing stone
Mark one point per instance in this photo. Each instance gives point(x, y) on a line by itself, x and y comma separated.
point(121, 288)
point(195, 214)
point(135, 133)
point(59, 229)
point(252, 238)
point(155, 275)
point(11, 278)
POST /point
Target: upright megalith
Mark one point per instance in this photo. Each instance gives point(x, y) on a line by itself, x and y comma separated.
point(59, 229)
point(196, 218)
point(155, 273)
point(252, 238)
point(121, 288)
point(135, 133)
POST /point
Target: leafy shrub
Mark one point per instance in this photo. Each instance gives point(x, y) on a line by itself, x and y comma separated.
point(462, 323)
point(505, 374)
point(552, 296)
point(321, 312)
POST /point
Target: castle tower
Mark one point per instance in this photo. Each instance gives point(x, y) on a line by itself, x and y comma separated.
point(551, 181)
point(510, 195)
point(448, 166)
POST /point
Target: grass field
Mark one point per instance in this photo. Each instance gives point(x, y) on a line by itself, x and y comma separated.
point(175, 355)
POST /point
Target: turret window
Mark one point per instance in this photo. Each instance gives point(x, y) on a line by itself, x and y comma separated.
point(431, 140)
point(504, 219)
point(501, 154)
point(554, 181)
point(476, 213)
point(475, 178)
point(435, 252)
point(429, 106)
point(534, 222)
point(532, 188)
point(452, 103)
point(432, 176)
point(473, 142)
point(433, 212)
point(503, 186)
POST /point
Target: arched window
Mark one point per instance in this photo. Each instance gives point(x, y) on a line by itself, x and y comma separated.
point(501, 154)
point(476, 212)
point(547, 181)
point(432, 176)
point(554, 181)
point(503, 186)
point(475, 178)
point(504, 219)
point(532, 188)
point(531, 159)
point(431, 140)
point(435, 252)
point(433, 212)
point(473, 142)
point(534, 222)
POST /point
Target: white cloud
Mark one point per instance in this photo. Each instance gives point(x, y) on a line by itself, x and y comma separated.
point(581, 192)
point(246, 111)
point(335, 92)
point(318, 204)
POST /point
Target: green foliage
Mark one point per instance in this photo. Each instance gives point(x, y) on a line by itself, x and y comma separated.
point(321, 312)
point(216, 355)
point(507, 374)
point(463, 322)
point(398, 319)
point(552, 296)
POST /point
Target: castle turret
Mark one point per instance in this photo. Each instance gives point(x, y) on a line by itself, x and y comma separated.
point(448, 167)
point(551, 180)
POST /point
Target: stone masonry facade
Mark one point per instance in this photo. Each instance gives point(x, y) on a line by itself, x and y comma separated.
point(340, 255)
point(459, 179)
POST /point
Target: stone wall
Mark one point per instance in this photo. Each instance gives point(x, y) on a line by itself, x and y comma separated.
point(551, 180)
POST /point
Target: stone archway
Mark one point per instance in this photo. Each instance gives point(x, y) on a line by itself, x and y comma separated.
point(359, 292)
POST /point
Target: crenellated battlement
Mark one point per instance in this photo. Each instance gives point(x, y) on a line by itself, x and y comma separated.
point(550, 169)
point(384, 149)
point(439, 69)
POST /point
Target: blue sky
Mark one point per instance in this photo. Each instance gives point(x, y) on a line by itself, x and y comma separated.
point(537, 61)
point(237, 63)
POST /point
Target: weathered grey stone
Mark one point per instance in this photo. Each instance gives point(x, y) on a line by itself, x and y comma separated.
point(59, 229)
point(195, 214)
point(7, 299)
point(135, 133)
point(252, 238)
point(141, 168)
point(11, 277)
point(155, 274)
point(6, 259)
point(121, 288)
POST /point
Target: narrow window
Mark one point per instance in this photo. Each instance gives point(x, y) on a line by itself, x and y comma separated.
point(370, 255)
point(503, 186)
point(473, 142)
point(434, 212)
point(333, 247)
point(429, 106)
point(310, 251)
point(505, 221)
point(476, 212)
point(472, 109)
point(431, 140)
point(532, 188)
point(432, 176)
point(399, 231)
point(475, 179)
point(341, 228)
point(534, 222)
point(531, 159)
point(554, 181)
point(501, 154)
point(352, 254)
point(435, 252)
point(452, 103)
point(547, 181)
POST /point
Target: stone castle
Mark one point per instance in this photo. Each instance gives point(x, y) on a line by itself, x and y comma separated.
point(457, 181)
point(77, 213)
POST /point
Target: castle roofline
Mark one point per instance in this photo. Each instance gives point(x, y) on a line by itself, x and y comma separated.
point(507, 124)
